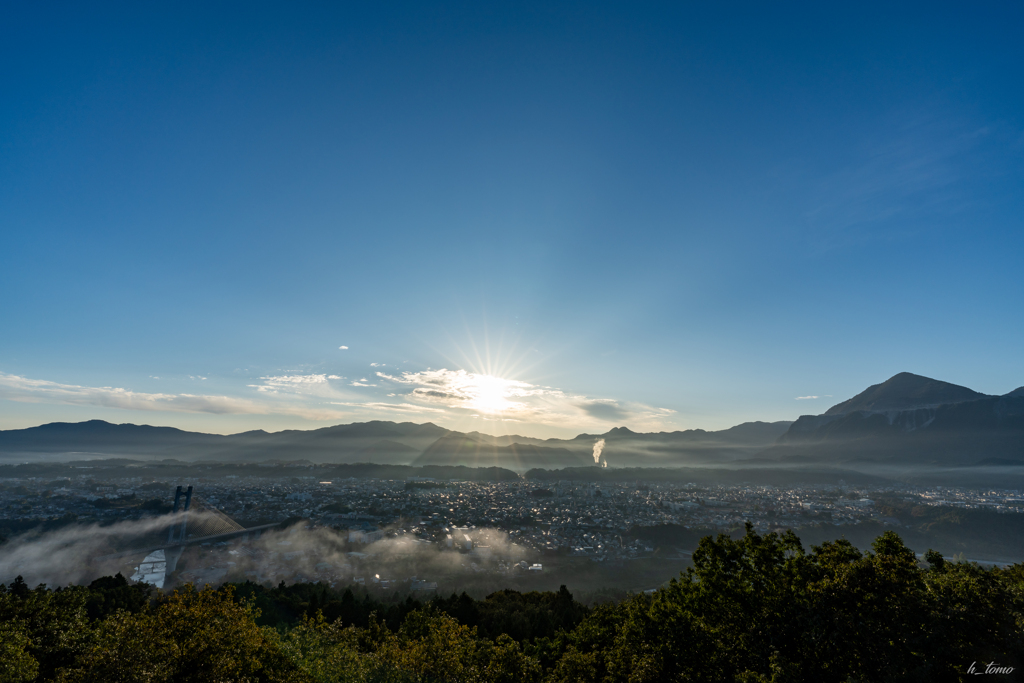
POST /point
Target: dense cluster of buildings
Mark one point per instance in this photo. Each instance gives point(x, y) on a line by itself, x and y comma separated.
point(505, 527)
point(560, 516)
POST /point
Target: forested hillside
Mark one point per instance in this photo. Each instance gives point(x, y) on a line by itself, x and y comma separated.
point(757, 608)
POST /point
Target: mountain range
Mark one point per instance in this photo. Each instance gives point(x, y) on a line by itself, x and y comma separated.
point(906, 420)
point(910, 420)
point(380, 442)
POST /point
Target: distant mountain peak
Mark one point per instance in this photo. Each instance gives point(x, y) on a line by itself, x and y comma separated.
point(905, 391)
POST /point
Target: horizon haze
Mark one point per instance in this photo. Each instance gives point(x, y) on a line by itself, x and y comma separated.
point(908, 422)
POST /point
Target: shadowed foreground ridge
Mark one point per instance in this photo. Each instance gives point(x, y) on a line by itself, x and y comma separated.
point(756, 608)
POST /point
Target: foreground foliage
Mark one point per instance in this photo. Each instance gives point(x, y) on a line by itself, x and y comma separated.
point(759, 608)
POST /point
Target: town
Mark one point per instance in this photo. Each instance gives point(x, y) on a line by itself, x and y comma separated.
point(409, 534)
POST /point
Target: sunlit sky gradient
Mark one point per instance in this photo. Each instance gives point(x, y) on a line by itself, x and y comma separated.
point(517, 218)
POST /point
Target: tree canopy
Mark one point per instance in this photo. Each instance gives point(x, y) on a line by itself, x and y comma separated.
point(753, 609)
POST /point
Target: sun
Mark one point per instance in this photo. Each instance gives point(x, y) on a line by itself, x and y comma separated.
point(489, 394)
point(483, 386)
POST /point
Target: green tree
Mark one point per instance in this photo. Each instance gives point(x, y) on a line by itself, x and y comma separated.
point(16, 664)
point(737, 610)
point(326, 653)
point(760, 608)
point(110, 593)
point(589, 646)
point(192, 637)
point(974, 615)
point(508, 664)
point(866, 615)
point(54, 621)
point(434, 647)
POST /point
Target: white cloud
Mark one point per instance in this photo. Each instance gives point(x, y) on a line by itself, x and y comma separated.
point(316, 396)
point(513, 400)
point(295, 379)
point(400, 407)
point(16, 388)
point(290, 383)
point(343, 348)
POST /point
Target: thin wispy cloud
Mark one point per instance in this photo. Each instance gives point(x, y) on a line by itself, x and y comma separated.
point(806, 398)
point(321, 396)
point(24, 389)
point(288, 382)
point(398, 407)
point(899, 184)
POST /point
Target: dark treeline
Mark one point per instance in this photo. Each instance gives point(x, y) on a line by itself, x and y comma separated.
point(523, 616)
point(762, 476)
point(754, 609)
point(116, 468)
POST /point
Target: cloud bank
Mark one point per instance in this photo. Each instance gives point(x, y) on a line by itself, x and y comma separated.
point(75, 554)
point(23, 389)
point(492, 397)
point(431, 393)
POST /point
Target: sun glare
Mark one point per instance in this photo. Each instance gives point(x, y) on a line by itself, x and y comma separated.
point(489, 394)
point(484, 388)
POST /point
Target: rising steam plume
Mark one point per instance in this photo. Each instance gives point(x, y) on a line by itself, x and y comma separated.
point(598, 448)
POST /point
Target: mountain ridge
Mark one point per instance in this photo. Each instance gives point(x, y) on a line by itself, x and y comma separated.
point(904, 391)
point(388, 442)
point(910, 420)
point(906, 420)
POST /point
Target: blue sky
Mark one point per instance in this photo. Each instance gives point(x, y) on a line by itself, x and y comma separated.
point(538, 219)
